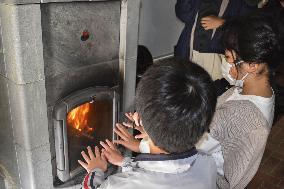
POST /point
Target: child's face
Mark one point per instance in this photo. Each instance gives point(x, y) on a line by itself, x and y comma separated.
point(230, 58)
point(229, 55)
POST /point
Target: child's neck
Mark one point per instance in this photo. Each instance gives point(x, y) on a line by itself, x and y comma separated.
point(258, 86)
point(155, 149)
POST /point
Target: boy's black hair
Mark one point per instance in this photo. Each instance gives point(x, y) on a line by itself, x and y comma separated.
point(176, 101)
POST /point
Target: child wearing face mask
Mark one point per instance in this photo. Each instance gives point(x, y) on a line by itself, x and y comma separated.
point(175, 101)
point(244, 114)
point(231, 78)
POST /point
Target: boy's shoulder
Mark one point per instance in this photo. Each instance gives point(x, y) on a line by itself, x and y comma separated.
point(202, 169)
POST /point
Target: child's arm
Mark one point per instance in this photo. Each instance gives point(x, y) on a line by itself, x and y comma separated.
point(93, 179)
point(114, 157)
point(126, 138)
point(95, 165)
point(96, 178)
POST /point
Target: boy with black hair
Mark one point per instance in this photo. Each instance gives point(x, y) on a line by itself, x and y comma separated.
point(175, 102)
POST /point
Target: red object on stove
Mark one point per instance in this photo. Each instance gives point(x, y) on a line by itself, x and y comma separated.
point(85, 35)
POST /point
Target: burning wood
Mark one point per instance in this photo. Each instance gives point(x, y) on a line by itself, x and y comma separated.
point(78, 118)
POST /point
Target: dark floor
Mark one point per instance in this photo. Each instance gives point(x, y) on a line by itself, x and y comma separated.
point(271, 171)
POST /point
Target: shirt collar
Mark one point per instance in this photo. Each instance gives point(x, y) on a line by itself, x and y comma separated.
point(166, 157)
point(167, 163)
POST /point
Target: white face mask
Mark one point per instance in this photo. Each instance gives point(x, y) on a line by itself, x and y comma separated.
point(144, 146)
point(240, 83)
point(225, 67)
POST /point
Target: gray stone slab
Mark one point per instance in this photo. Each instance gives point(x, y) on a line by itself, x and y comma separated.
point(2, 182)
point(53, 1)
point(35, 167)
point(22, 2)
point(8, 161)
point(2, 63)
point(63, 25)
point(22, 42)
point(25, 80)
point(29, 114)
point(129, 84)
point(105, 74)
point(19, 1)
point(132, 28)
point(128, 51)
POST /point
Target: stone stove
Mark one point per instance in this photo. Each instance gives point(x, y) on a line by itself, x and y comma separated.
point(57, 59)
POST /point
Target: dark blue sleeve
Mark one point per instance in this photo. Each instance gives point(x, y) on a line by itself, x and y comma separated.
point(186, 10)
point(238, 8)
point(235, 10)
point(247, 9)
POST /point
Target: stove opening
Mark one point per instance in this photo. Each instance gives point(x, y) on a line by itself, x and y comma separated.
point(82, 119)
point(87, 124)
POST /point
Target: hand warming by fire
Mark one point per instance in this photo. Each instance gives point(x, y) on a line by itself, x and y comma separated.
point(110, 153)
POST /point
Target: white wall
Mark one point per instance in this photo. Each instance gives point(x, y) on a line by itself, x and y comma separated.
point(159, 28)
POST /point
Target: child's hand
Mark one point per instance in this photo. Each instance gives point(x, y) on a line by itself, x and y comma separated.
point(111, 153)
point(133, 117)
point(135, 123)
point(93, 161)
point(127, 140)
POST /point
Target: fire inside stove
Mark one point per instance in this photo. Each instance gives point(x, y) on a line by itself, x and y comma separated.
point(88, 124)
point(80, 119)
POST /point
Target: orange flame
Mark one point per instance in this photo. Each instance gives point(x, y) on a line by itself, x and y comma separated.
point(78, 118)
